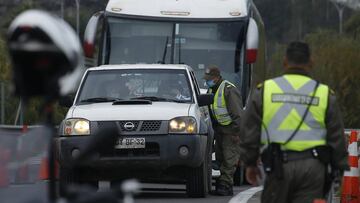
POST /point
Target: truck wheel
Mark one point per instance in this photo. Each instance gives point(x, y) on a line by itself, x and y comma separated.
point(199, 180)
point(209, 172)
point(239, 176)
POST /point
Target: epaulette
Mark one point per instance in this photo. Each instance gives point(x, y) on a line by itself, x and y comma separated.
point(260, 85)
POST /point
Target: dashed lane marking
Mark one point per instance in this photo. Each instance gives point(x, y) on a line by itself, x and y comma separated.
point(244, 196)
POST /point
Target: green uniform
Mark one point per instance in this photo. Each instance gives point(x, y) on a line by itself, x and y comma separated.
point(225, 113)
point(278, 106)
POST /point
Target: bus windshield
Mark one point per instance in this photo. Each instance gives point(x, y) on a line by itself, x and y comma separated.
point(197, 44)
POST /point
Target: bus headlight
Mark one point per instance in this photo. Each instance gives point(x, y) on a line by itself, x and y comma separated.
point(76, 126)
point(182, 125)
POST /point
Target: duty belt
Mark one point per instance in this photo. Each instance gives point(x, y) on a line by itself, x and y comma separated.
point(295, 155)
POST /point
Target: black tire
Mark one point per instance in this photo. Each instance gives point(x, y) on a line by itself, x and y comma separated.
point(199, 179)
point(239, 176)
point(209, 165)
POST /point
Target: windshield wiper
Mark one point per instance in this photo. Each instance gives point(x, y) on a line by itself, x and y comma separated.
point(100, 99)
point(153, 98)
point(165, 51)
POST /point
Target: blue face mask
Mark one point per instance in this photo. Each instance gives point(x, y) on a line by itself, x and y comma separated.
point(210, 83)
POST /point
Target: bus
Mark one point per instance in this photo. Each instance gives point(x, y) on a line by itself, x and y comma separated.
point(227, 33)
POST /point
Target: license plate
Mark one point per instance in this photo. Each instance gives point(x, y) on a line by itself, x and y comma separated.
point(130, 143)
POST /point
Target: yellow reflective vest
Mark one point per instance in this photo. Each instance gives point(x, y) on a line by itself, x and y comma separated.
point(285, 100)
point(218, 108)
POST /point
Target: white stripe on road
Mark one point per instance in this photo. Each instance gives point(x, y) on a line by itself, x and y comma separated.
point(244, 196)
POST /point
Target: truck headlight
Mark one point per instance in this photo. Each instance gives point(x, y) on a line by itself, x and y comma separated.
point(183, 125)
point(76, 126)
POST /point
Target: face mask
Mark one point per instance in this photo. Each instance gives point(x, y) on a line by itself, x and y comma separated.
point(210, 83)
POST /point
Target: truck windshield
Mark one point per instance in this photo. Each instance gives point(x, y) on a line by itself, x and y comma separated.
point(197, 44)
point(131, 84)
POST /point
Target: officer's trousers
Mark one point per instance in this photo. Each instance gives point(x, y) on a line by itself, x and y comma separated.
point(227, 154)
point(302, 183)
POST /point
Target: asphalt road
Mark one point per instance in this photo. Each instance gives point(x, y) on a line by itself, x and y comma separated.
point(160, 193)
point(150, 193)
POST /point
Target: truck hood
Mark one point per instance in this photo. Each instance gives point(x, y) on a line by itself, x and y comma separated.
point(107, 111)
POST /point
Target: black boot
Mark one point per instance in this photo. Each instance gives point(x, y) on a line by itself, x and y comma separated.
point(224, 190)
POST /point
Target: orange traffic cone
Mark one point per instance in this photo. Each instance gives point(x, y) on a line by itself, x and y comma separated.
point(44, 169)
point(350, 187)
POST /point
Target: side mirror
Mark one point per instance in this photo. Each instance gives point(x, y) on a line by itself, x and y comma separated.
point(252, 42)
point(90, 36)
point(66, 101)
point(205, 99)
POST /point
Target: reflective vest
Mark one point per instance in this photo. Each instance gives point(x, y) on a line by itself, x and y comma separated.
point(285, 100)
point(218, 108)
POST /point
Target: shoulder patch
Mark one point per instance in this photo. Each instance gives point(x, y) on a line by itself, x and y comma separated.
point(260, 85)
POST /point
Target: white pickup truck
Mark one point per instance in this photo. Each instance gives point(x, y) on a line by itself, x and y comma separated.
point(162, 120)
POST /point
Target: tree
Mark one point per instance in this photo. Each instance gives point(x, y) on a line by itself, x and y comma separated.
point(340, 6)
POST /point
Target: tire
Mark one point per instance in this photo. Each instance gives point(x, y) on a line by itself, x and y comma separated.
point(239, 176)
point(209, 165)
point(199, 179)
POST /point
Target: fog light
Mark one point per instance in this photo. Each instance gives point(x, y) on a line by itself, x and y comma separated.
point(75, 153)
point(184, 151)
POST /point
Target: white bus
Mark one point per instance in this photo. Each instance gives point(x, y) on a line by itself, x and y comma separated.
point(198, 33)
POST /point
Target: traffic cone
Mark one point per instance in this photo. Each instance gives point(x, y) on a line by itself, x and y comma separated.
point(350, 183)
point(44, 169)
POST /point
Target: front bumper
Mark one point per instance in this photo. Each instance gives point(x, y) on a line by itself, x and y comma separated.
point(161, 152)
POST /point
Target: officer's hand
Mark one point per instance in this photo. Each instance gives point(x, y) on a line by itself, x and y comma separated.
point(252, 175)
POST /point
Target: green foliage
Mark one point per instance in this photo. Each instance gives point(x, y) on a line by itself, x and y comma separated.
point(352, 26)
point(13, 12)
point(337, 64)
point(4, 62)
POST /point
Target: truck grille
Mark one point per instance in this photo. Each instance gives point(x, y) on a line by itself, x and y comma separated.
point(106, 124)
point(131, 126)
point(150, 126)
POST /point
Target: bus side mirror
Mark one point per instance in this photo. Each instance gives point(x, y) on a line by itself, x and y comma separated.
point(90, 35)
point(205, 99)
point(252, 42)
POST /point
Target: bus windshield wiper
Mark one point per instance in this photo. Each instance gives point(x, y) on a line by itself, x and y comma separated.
point(165, 51)
point(100, 99)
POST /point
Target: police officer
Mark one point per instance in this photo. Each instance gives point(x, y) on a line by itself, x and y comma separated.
point(225, 114)
point(298, 121)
